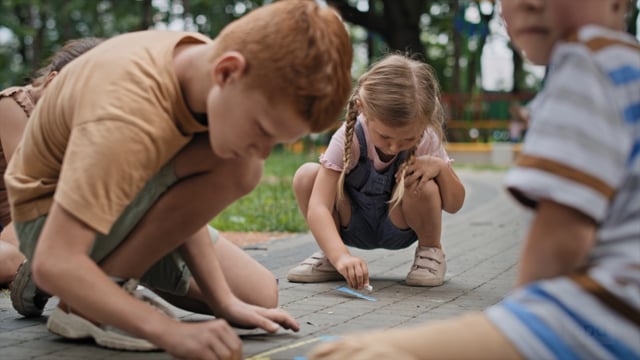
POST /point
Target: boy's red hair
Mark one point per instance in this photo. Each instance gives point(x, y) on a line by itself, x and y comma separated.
point(298, 51)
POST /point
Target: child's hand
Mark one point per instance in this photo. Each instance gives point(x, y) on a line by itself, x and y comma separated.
point(354, 270)
point(250, 316)
point(213, 339)
point(423, 169)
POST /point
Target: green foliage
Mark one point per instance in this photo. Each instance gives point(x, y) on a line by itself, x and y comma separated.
point(271, 206)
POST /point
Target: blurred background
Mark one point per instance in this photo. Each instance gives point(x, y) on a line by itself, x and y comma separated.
point(485, 83)
point(464, 40)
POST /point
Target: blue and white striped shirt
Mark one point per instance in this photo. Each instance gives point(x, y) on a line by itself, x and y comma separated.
point(583, 151)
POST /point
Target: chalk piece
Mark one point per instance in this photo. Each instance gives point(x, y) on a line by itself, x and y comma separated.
point(355, 293)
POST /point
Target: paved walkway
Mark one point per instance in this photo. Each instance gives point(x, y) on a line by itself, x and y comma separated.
point(482, 243)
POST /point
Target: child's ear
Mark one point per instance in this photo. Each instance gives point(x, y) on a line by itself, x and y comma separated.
point(358, 105)
point(230, 65)
point(50, 77)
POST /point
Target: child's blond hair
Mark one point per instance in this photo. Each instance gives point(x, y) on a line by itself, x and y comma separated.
point(396, 91)
point(298, 51)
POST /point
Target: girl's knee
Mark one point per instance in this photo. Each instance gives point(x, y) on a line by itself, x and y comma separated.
point(425, 190)
point(431, 189)
point(305, 175)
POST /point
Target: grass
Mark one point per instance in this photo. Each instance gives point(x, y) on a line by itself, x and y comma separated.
point(271, 206)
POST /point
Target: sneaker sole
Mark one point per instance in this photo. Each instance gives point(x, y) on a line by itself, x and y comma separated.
point(71, 326)
point(422, 282)
point(18, 287)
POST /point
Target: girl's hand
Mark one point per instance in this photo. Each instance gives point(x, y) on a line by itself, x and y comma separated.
point(423, 169)
point(354, 270)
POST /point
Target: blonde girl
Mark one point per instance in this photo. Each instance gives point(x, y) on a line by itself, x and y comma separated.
point(383, 181)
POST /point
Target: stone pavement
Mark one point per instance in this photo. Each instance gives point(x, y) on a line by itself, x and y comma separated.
point(482, 243)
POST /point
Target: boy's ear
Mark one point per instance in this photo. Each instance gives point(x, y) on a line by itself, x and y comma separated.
point(230, 65)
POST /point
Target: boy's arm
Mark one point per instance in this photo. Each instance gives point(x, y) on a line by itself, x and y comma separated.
point(557, 244)
point(199, 254)
point(62, 267)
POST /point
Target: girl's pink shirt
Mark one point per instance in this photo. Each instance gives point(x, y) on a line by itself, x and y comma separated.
point(332, 158)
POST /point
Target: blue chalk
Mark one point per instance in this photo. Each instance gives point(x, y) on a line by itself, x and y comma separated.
point(349, 291)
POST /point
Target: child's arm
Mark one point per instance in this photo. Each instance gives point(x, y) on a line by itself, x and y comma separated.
point(62, 267)
point(558, 243)
point(324, 228)
point(200, 256)
point(427, 167)
point(12, 124)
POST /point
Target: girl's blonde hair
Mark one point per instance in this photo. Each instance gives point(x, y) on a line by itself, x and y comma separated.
point(397, 91)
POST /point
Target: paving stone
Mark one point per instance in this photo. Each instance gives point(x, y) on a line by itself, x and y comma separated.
point(482, 242)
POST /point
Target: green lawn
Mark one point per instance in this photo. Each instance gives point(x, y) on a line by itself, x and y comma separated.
point(271, 206)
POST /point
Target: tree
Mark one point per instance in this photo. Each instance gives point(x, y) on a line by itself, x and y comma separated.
point(397, 21)
point(416, 27)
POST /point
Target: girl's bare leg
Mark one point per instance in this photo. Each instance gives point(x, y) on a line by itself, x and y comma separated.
point(422, 212)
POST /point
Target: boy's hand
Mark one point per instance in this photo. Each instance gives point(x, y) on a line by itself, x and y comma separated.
point(354, 270)
point(245, 315)
point(213, 339)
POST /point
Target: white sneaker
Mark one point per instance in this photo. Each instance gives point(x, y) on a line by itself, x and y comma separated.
point(315, 268)
point(72, 326)
point(428, 269)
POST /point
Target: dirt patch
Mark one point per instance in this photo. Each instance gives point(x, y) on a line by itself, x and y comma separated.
point(250, 238)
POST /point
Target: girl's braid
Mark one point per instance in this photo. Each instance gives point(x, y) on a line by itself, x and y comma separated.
point(398, 193)
point(350, 125)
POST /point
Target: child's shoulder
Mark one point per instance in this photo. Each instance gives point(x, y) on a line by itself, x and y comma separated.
point(598, 39)
point(11, 91)
point(21, 96)
point(605, 48)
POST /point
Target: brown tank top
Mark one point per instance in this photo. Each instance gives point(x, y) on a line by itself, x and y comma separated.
point(22, 96)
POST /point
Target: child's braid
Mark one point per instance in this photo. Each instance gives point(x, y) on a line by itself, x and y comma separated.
point(398, 193)
point(350, 125)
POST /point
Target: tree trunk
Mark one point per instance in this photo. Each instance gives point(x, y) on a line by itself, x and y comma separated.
point(147, 15)
point(457, 51)
point(632, 20)
point(399, 27)
point(518, 71)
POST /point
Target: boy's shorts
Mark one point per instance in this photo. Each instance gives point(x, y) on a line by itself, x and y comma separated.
point(169, 274)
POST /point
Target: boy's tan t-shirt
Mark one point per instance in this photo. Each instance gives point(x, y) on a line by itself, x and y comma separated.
point(115, 116)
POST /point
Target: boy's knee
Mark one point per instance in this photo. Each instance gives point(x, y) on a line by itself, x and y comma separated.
point(270, 298)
